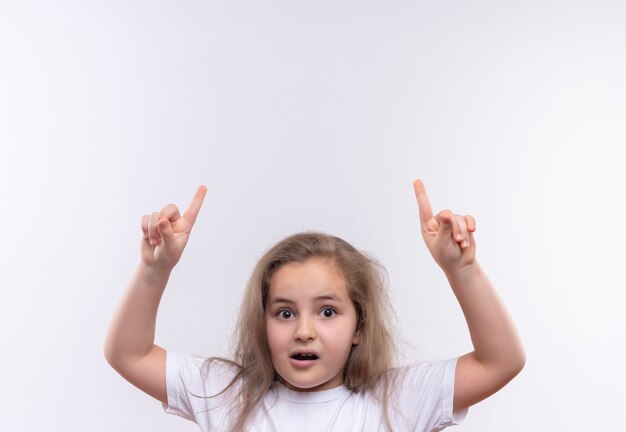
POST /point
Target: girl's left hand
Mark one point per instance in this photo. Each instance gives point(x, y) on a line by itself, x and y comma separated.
point(449, 237)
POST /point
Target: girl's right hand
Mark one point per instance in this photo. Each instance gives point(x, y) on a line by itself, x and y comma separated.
point(166, 233)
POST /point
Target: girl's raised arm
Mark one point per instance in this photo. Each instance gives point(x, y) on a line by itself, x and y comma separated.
point(498, 354)
point(129, 346)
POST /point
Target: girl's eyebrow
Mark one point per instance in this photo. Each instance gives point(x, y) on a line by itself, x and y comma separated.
point(318, 298)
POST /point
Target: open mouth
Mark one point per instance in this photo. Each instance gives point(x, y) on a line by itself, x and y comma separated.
point(304, 356)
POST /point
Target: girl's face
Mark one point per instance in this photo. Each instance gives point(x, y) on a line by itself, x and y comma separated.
point(311, 324)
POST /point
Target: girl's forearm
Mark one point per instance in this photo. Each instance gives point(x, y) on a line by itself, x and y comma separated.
point(131, 332)
point(494, 336)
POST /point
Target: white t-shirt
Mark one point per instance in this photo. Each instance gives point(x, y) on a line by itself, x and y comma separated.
point(423, 401)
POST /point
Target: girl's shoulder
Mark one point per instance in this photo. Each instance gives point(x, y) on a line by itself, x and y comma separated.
point(424, 365)
point(202, 374)
point(426, 387)
point(427, 375)
point(198, 385)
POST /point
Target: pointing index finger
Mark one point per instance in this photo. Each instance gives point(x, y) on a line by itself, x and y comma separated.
point(426, 212)
point(194, 208)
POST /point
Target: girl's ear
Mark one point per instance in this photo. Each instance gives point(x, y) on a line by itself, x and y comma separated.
point(356, 339)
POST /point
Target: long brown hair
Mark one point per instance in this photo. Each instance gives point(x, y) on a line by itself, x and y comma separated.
point(369, 364)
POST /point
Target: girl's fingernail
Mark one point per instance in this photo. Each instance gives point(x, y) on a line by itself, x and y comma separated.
point(465, 243)
point(459, 237)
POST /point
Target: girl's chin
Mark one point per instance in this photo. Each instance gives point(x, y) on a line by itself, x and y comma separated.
point(307, 389)
point(311, 387)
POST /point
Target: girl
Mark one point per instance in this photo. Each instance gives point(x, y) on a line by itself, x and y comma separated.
point(314, 347)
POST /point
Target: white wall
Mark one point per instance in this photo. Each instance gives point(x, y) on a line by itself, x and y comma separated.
point(311, 115)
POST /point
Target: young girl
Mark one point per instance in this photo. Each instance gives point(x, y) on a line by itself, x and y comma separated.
point(314, 347)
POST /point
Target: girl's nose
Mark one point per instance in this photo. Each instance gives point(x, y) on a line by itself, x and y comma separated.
point(304, 330)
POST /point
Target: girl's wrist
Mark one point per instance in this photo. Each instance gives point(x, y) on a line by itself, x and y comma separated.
point(464, 273)
point(153, 274)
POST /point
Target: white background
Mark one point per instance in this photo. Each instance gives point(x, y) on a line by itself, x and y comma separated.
point(311, 115)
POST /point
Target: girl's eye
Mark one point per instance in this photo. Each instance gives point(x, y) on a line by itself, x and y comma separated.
point(328, 312)
point(284, 314)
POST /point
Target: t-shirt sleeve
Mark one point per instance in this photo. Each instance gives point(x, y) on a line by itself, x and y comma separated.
point(197, 390)
point(182, 372)
point(427, 395)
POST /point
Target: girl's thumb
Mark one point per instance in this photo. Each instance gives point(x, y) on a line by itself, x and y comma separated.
point(446, 226)
point(165, 229)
